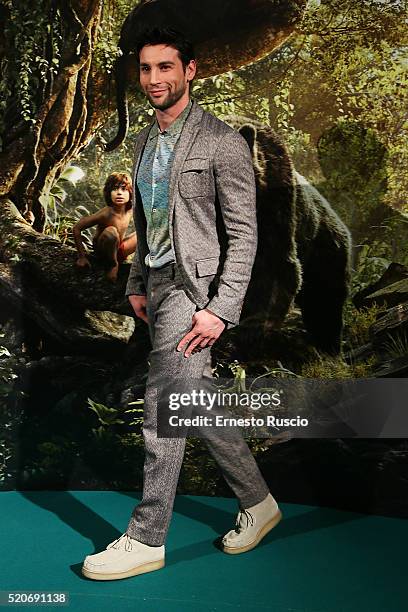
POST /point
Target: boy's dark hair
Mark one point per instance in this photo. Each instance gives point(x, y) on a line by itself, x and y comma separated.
point(167, 36)
point(113, 181)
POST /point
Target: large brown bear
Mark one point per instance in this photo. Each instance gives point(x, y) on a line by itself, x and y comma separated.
point(304, 248)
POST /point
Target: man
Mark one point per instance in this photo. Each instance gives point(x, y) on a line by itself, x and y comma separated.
point(195, 218)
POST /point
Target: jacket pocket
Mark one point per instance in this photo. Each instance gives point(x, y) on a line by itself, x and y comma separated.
point(194, 178)
point(206, 267)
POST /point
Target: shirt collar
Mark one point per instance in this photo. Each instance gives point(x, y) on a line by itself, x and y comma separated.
point(174, 128)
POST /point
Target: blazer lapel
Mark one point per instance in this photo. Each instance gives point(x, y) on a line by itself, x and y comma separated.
point(139, 146)
point(184, 143)
point(137, 201)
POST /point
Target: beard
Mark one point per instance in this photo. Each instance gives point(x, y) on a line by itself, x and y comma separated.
point(172, 98)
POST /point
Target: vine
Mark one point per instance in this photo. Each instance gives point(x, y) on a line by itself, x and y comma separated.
point(33, 34)
point(113, 16)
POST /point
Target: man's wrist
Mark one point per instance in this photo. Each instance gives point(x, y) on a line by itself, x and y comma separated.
point(215, 315)
point(211, 312)
point(135, 288)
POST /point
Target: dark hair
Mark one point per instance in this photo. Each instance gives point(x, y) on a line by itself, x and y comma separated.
point(114, 180)
point(166, 36)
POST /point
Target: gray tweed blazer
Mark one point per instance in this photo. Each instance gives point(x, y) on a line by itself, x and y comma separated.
point(212, 215)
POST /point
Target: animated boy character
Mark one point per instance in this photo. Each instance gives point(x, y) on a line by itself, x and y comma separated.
point(112, 221)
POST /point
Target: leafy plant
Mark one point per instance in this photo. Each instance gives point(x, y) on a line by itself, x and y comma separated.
point(326, 367)
point(397, 345)
point(107, 416)
point(34, 37)
point(9, 413)
point(359, 321)
point(54, 224)
point(369, 269)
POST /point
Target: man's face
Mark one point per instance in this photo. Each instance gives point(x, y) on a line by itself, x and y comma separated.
point(162, 75)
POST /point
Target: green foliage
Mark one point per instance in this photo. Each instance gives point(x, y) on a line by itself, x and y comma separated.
point(227, 94)
point(8, 364)
point(282, 110)
point(239, 375)
point(53, 456)
point(55, 223)
point(106, 49)
point(53, 201)
point(326, 367)
point(355, 67)
point(358, 323)
point(33, 35)
point(397, 345)
point(9, 417)
point(107, 416)
point(369, 269)
point(138, 412)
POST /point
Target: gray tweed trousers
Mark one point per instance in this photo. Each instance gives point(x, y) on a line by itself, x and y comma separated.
point(170, 313)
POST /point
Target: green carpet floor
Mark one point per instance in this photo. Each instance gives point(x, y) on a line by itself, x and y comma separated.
point(316, 560)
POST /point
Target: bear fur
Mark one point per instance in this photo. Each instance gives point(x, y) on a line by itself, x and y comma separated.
point(304, 248)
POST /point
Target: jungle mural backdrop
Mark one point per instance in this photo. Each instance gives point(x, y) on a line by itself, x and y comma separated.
point(318, 90)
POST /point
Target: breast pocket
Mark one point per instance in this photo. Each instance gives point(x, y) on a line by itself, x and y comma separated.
point(194, 179)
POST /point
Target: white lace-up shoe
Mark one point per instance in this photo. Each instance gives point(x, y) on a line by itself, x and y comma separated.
point(251, 526)
point(123, 558)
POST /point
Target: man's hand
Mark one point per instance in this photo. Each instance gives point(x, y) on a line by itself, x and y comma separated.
point(207, 327)
point(138, 303)
point(83, 262)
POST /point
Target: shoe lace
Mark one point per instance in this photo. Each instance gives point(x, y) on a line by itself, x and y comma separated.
point(239, 525)
point(128, 543)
